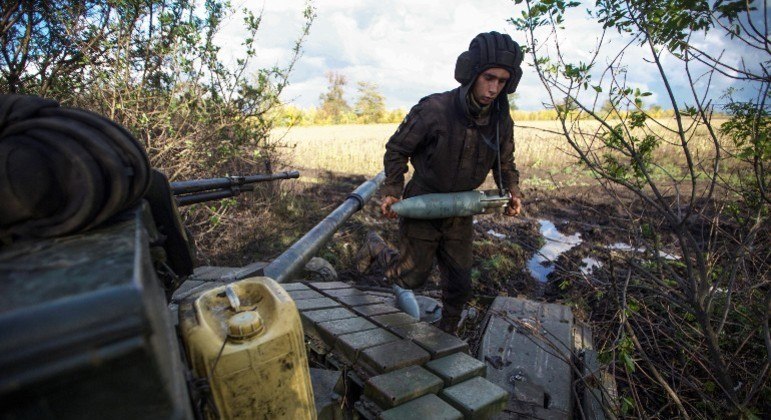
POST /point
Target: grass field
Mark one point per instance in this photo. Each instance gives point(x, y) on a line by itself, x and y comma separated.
point(541, 150)
point(358, 149)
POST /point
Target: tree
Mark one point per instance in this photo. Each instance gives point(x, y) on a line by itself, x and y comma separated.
point(692, 334)
point(45, 45)
point(608, 109)
point(333, 105)
point(513, 101)
point(370, 107)
point(154, 67)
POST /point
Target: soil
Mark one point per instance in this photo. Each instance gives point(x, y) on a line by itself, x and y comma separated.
point(503, 245)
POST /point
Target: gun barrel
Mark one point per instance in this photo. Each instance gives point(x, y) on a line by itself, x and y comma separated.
point(250, 179)
point(203, 196)
point(295, 258)
point(198, 185)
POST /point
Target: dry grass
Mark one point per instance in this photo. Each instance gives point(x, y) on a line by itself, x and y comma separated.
point(352, 149)
point(358, 149)
point(540, 147)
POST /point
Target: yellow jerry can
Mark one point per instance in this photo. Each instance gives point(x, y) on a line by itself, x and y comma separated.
point(247, 340)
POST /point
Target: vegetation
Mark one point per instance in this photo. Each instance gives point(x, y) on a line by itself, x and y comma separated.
point(334, 108)
point(289, 116)
point(370, 107)
point(358, 148)
point(686, 337)
point(689, 337)
point(154, 67)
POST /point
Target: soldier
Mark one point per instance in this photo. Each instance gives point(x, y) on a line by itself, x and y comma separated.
point(453, 140)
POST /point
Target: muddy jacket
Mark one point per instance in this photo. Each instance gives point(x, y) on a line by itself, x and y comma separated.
point(450, 150)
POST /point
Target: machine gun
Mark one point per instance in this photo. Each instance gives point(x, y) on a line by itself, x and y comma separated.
point(201, 190)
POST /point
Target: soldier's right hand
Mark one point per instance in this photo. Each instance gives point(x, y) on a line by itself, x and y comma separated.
point(385, 207)
point(514, 207)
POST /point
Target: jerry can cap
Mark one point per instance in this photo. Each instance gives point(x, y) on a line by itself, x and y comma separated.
point(245, 324)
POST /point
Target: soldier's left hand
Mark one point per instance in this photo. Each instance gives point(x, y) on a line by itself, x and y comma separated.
point(514, 206)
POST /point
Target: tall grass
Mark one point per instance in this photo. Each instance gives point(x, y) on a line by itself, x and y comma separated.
point(358, 148)
point(350, 148)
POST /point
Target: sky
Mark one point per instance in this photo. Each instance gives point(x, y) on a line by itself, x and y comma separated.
point(409, 48)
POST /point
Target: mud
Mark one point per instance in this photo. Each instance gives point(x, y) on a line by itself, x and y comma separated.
point(503, 246)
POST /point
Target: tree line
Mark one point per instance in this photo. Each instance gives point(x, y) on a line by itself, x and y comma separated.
point(368, 108)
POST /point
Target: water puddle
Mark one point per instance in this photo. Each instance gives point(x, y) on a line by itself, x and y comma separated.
point(620, 246)
point(496, 234)
point(588, 265)
point(542, 263)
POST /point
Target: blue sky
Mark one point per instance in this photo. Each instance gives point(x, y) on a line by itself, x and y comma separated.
point(409, 47)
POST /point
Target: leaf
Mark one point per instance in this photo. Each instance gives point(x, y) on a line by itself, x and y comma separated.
point(709, 386)
point(627, 405)
point(628, 362)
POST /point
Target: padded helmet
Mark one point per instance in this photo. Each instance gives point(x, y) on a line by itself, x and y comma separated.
point(488, 50)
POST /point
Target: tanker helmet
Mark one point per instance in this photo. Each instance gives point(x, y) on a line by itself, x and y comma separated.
point(488, 50)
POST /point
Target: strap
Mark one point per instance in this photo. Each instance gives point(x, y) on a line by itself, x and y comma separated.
point(498, 149)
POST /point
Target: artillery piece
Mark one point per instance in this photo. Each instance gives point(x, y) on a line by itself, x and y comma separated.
point(110, 320)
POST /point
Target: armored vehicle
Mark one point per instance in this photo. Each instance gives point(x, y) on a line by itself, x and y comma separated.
point(103, 313)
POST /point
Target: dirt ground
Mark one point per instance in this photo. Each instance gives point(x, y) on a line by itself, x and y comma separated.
point(503, 245)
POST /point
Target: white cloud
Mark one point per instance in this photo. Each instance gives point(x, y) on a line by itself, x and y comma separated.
point(409, 47)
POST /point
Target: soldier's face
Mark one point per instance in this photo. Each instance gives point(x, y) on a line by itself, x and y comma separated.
point(489, 85)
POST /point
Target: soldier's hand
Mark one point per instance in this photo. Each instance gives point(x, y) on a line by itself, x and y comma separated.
point(514, 206)
point(385, 207)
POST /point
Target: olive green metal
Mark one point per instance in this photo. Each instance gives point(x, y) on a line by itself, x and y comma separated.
point(295, 258)
point(426, 407)
point(398, 387)
point(477, 398)
point(441, 205)
point(456, 368)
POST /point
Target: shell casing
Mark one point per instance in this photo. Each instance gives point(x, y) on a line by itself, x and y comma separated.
point(442, 205)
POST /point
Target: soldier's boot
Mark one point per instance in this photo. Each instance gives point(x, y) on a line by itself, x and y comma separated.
point(450, 319)
point(373, 245)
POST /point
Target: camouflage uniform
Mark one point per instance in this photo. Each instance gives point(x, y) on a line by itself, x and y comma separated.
point(451, 143)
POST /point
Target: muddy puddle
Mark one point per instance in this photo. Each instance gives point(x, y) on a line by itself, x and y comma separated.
point(542, 262)
point(620, 246)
